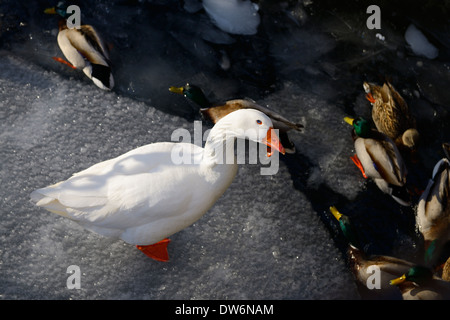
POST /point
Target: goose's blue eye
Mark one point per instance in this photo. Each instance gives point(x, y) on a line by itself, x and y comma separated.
point(258, 121)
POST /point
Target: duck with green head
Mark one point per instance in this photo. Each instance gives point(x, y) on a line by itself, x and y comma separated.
point(378, 158)
point(214, 112)
point(84, 49)
point(433, 210)
point(346, 227)
point(419, 283)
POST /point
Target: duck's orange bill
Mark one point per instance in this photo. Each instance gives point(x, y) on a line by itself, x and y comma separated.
point(157, 251)
point(272, 141)
point(370, 98)
point(358, 163)
point(64, 61)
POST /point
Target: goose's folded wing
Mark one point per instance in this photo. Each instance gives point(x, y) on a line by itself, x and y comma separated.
point(110, 191)
point(74, 198)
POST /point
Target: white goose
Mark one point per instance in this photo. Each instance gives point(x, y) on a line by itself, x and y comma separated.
point(143, 196)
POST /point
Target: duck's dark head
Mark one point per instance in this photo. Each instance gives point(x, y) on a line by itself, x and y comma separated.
point(346, 227)
point(60, 9)
point(194, 93)
point(360, 125)
point(416, 274)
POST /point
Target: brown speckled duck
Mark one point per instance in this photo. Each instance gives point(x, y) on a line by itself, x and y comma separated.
point(391, 115)
point(446, 270)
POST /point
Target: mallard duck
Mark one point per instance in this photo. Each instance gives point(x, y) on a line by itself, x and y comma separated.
point(391, 115)
point(346, 227)
point(84, 49)
point(378, 158)
point(364, 269)
point(419, 283)
point(214, 112)
point(433, 210)
point(146, 194)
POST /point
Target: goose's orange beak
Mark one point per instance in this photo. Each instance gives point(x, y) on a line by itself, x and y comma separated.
point(272, 141)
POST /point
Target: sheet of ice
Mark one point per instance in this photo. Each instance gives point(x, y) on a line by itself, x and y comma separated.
point(419, 43)
point(326, 139)
point(270, 248)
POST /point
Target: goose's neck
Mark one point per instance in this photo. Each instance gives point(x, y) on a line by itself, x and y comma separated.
point(219, 147)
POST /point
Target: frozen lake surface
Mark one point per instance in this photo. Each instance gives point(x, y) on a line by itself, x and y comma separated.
point(267, 237)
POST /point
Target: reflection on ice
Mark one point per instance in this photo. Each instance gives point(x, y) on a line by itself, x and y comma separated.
point(233, 16)
point(419, 43)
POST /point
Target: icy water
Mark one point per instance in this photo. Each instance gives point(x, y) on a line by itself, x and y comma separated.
point(268, 237)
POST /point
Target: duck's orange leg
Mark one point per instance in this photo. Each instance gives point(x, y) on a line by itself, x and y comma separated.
point(157, 251)
point(358, 163)
point(64, 61)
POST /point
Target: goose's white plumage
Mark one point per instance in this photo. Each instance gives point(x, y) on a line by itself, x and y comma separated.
point(144, 196)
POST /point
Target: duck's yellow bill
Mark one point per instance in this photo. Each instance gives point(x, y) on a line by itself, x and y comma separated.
point(272, 141)
point(335, 213)
point(349, 120)
point(50, 11)
point(397, 280)
point(179, 90)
